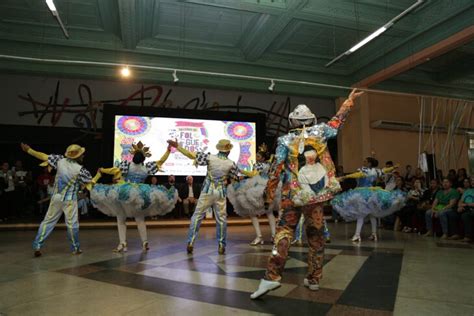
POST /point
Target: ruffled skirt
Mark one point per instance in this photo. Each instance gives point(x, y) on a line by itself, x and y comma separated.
point(374, 201)
point(247, 196)
point(132, 199)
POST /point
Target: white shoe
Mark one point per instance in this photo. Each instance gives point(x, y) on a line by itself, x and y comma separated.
point(312, 287)
point(356, 238)
point(122, 247)
point(145, 246)
point(257, 241)
point(264, 287)
point(373, 237)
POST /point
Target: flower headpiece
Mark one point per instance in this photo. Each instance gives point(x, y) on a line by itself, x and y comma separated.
point(140, 147)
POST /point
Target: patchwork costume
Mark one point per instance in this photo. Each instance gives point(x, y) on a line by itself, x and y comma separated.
point(130, 197)
point(70, 177)
point(305, 167)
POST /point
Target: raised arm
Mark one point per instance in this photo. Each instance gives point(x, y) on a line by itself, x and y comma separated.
point(114, 171)
point(39, 155)
point(187, 153)
point(338, 120)
point(155, 166)
point(356, 175)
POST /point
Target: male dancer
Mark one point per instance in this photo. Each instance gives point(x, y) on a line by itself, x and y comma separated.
point(213, 193)
point(309, 180)
point(70, 176)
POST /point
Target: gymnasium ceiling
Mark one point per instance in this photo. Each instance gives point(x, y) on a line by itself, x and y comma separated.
point(290, 39)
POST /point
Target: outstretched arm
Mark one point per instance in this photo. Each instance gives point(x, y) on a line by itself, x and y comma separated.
point(390, 169)
point(355, 175)
point(39, 155)
point(338, 120)
point(114, 171)
point(155, 166)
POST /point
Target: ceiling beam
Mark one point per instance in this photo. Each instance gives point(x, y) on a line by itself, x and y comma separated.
point(420, 57)
point(136, 20)
point(267, 29)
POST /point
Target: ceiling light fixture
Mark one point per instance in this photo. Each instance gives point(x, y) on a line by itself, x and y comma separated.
point(125, 72)
point(55, 13)
point(272, 86)
point(175, 77)
point(379, 31)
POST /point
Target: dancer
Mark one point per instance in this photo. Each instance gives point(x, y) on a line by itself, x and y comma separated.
point(246, 195)
point(308, 181)
point(70, 176)
point(367, 200)
point(213, 193)
point(130, 197)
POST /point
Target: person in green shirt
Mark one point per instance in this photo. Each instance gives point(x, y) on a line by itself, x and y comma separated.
point(465, 211)
point(444, 202)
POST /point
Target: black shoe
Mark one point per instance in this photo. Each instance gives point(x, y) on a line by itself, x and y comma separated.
point(37, 253)
point(189, 249)
point(221, 250)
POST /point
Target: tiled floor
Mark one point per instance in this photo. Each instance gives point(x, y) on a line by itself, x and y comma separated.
point(402, 274)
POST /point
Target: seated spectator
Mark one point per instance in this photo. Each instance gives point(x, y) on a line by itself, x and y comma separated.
point(83, 203)
point(408, 177)
point(466, 184)
point(444, 202)
point(389, 178)
point(172, 183)
point(43, 181)
point(154, 180)
point(419, 175)
point(22, 188)
point(465, 211)
point(412, 207)
point(8, 179)
point(460, 177)
point(400, 184)
point(189, 194)
point(452, 177)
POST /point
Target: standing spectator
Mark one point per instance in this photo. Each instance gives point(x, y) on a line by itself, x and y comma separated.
point(189, 194)
point(444, 202)
point(43, 181)
point(465, 211)
point(22, 188)
point(7, 176)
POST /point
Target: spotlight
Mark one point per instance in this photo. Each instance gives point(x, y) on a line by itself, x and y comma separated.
point(272, 86)
point(175, 77)
point(125, 72)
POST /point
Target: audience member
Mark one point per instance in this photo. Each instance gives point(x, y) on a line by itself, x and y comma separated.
point(444, 202)
point(412, 207)
point(389, 178)
point(466, 184)
point(23, 189)
point(339, 171)
point(43, 182)
point(465, 212)
point(7, 177)
point(189, 194)
point(408, 175)
point(452, 177)
point(419, 175)
point(460, 177)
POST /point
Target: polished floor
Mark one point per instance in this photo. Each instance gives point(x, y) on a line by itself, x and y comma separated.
point(402, 274)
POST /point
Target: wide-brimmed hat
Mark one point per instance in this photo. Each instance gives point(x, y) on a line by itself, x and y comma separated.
point(302, 113)
point(224, 145)
point(74, 151)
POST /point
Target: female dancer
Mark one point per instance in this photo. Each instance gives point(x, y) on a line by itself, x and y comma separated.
point(130, 197)
point(246, 195)
point(366, 200)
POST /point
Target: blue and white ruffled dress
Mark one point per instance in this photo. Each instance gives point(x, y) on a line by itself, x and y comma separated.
point(368, 200)
point(133, 197)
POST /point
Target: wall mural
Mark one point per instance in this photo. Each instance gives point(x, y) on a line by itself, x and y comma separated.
point(85, 113)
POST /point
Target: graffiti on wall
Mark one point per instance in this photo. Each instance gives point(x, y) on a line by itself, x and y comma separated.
point(85, 112)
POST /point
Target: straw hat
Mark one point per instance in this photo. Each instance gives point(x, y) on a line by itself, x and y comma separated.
point(224, 145)
point(74, 151)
